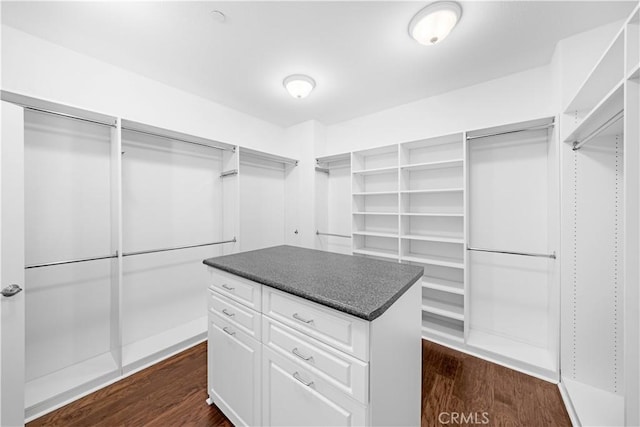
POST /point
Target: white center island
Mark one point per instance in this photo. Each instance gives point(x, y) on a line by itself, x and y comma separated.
point(300, 337)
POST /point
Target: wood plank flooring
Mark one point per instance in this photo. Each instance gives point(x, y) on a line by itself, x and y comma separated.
point(457, 389)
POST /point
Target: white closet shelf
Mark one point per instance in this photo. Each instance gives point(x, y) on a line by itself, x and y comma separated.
point(447, 214)
point(442, 328)
point(434, 260)
point(611, 104)
point(381, 253)
point(443, 285)
point(375, 234)
point(596, 407)
point(433, 190)
point(517, 350)
point(599, 79)
point(376, 171)
point(375, 193)
point(444, 309)
point(634, 74)
point(138, 352)
point(65, 380)
point(434, 165)
point(439, 239)
point(376, 213)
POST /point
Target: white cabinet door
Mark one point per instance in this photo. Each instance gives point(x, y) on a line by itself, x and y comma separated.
point(234, 375)
point(12, 321)
point(293, 396)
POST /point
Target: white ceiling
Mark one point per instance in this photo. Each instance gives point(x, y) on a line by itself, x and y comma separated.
point(358, 52)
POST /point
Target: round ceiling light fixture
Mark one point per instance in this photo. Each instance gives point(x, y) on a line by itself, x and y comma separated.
point(433, 23)
point(298, 85)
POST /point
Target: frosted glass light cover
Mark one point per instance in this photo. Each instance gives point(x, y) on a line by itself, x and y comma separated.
point(299, 86)
point(433, 23)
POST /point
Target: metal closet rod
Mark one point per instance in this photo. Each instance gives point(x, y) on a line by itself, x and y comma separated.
point(68, 116)
point(144, 132)
point(333, 234)
point(578, 144)
point(532, 128)
point(532, 254)
point(48, 264)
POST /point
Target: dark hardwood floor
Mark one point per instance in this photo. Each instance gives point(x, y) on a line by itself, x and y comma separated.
point(457, 389)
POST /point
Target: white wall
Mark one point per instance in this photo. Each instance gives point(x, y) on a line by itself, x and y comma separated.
point(35, 67)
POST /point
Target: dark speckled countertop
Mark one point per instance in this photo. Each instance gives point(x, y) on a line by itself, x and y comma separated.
point(359, 286)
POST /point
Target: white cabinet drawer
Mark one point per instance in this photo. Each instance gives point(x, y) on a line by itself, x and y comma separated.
point(238, 315)
point(294, 396)
point(234, 372)
point(339, 330)
point(237, 288)
point(346, 373)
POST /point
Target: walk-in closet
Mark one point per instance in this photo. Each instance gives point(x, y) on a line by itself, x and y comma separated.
point(210, 210)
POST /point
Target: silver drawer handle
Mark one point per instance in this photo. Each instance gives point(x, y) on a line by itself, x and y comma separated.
point(228, 331)
point(296, 375)
point(224, 310)
point(300, 355)
point(301, 319)
point(227, 287)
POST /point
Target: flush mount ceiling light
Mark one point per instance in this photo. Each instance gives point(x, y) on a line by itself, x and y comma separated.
point(433, 23)
point(298, 85)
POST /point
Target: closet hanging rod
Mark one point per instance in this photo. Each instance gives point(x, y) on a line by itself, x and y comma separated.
point(68, 116)
point(176, 139)
point(532, 254)
point(177, 248)
point(229, 173)
point(332, 234)
point(323, 170)
point(532, 128)
point(73, 261)
point(577, 144)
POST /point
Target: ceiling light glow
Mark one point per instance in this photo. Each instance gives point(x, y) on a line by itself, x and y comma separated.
point(433, 23)
point(298, 85)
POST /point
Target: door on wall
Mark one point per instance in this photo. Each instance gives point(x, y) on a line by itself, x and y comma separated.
point(12, 311)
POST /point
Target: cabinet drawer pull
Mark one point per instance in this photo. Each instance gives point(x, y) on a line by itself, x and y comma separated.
point(297, 376)
point(300, 355)
point(228, 331)
point(227, 287)
point(302, 319)
point(226, 313)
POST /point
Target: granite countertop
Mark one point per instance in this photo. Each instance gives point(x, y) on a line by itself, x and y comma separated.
point(359, 286)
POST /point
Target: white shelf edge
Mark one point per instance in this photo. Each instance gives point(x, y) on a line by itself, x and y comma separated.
point(434, 190)
point(434, 261)
point(374, 171)
point(620, 33)
point(441, 285)
point(376, 213)
point(439, 330)
point(374, 252)
point(374, 234)
point(433, 239)
point(449, 311)
point(634, 73)
point(443, 214)
point(594, 112)
point(374, 193)
point(434, 165)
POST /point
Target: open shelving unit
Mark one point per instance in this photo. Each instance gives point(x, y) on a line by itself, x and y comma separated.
point(375, 202)
point(432, 230)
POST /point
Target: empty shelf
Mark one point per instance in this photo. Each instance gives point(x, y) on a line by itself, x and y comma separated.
point(634, 73)
point(595, 407)
point(433, 238)
point(375, 234)
point(450, 214)
point(381, 253)
point(442, 308)
point(376, 213)
point(434, 260)
point(443, 285)
point(434, 165)
point(433, 190)
point(376, 171)
point(442, 328)
point(375, 193)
